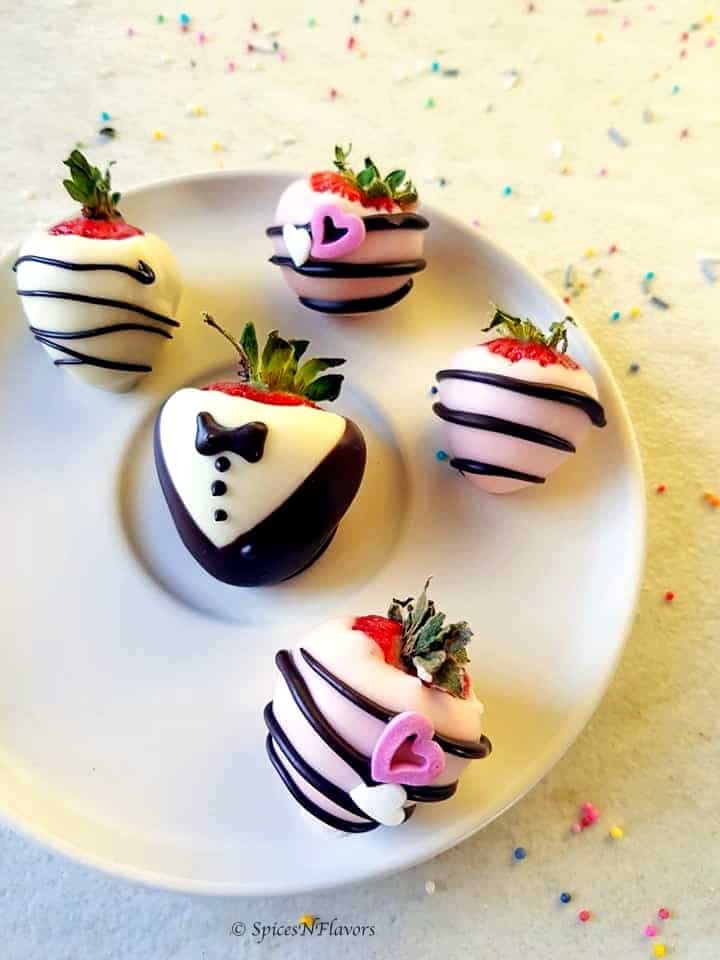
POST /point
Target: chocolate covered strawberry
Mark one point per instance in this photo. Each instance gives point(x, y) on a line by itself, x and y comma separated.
point(257, 476)
point(99, 293)
point(372, 715)
point(347, 241)
point(516, 407)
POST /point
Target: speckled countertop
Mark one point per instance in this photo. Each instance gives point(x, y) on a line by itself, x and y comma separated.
point(539, 86)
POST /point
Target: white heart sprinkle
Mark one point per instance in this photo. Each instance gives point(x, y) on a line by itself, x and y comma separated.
point(298, 242)
point(383, 803)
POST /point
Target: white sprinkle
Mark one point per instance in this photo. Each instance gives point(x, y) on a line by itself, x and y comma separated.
point(269, 150)
point(429, 887)
point(511, 78)
point(557, 149)
point(105, 72)
point(27, 194)
point(533, 212)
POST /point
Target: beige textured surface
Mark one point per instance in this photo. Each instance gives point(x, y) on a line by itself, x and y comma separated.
point(649, 760)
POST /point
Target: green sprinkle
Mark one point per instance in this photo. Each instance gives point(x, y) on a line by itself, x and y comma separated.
point(160, 18)
point(429, 103)
point(312, 21)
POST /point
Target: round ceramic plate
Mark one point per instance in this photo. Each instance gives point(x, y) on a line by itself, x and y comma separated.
point(132, 684)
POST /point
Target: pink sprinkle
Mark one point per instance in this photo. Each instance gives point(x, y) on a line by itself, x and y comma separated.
point(255, 26)
point(627, 22)
point(184, 27)
point(350, 43)
point(684, 133)
point(663, 913)
point(587, 807)
point(586, 820)
point(283, 56)
point(130, 32)
point(231, 66)
point(250, 47)
point(602, 172)
point(710, 42)
point(684, 37)
point(201, 37)
point(576, 827)
point(651, 7)
point(650, 930)
point(683, 53)
point(584, 916)
point(333, 93)
point(597, 11)
point(612, 248)
point(407, 12)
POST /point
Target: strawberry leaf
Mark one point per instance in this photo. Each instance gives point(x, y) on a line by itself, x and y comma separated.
point(394, 179)
point(299, 348)
point(311, 368)
point(450, 678)
point(325, 388)
point(249, 344)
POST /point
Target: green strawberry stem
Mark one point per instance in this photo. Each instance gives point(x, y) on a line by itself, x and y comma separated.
point(528, 332)
point(91, 188)
point(278, 368)
point(431, 647)
point(369, 182)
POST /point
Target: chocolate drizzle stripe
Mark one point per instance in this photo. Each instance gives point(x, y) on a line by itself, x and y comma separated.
point(492, 470)
point(75, 357)
point(143, 273)
point(309, 709)
point(346, 826)
point(99, 301)
point(373, 223)
point(482, 421)
point(340, 269)
point(313, 777)
point(467, 749)
point(544, 391)
point(359, 305)
point(99, 331)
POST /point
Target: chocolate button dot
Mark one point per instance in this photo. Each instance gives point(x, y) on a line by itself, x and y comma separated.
point(222, 464)
point(220, 515)
point(218, 488)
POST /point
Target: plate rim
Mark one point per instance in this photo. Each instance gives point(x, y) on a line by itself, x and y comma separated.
point(555, 751)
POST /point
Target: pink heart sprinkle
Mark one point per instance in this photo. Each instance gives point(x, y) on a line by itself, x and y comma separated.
point(406, 752)
point(350, 240)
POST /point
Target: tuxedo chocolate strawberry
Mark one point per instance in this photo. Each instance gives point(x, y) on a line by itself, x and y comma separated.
point(516, 407)
point(257, 476)
point(349, 242)
point(372, 715)
point(99, 293)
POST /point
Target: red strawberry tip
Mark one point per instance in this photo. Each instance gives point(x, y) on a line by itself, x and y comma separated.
point(96, 229)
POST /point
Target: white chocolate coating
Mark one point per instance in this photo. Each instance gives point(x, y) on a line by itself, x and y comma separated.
point(298, 439)
point(64, 316)
point(356, 659)
point(501, 449)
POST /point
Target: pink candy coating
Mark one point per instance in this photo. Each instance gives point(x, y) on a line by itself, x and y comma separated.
point(406, 753)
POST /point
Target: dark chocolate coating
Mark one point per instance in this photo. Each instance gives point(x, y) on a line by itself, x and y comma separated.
point(289, 539)
point(359, 304)
point(340, 268)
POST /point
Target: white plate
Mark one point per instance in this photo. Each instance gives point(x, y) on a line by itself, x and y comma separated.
point(132, 684)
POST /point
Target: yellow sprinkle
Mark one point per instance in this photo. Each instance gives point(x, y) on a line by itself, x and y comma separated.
point(546, 215)
point(617, 833)
point(659, 949)
point(158, 135)
point(615, 101)
point(217, 146)
point(708, 18)
point(307, 920)
point(197, 110)
point(590, 252)
point(599, 37)
point(635, 311)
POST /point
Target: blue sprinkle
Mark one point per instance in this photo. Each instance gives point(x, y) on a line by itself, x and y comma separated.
point(615, 316)
point(650, 275)
point(633, 368)
point(356, 18)
point(442, 181)
point(435, 66)
point(520, 853)
point(507, 191)
point(185, 18)
point(660, 304)
point(617, 137)
point(565, 897)
point(675, 89)
point(707, 271)
point(104, 116)
point(433, 390)
point(441, 455)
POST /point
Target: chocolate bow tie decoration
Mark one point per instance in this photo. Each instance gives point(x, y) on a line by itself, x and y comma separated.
point(247, 441)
